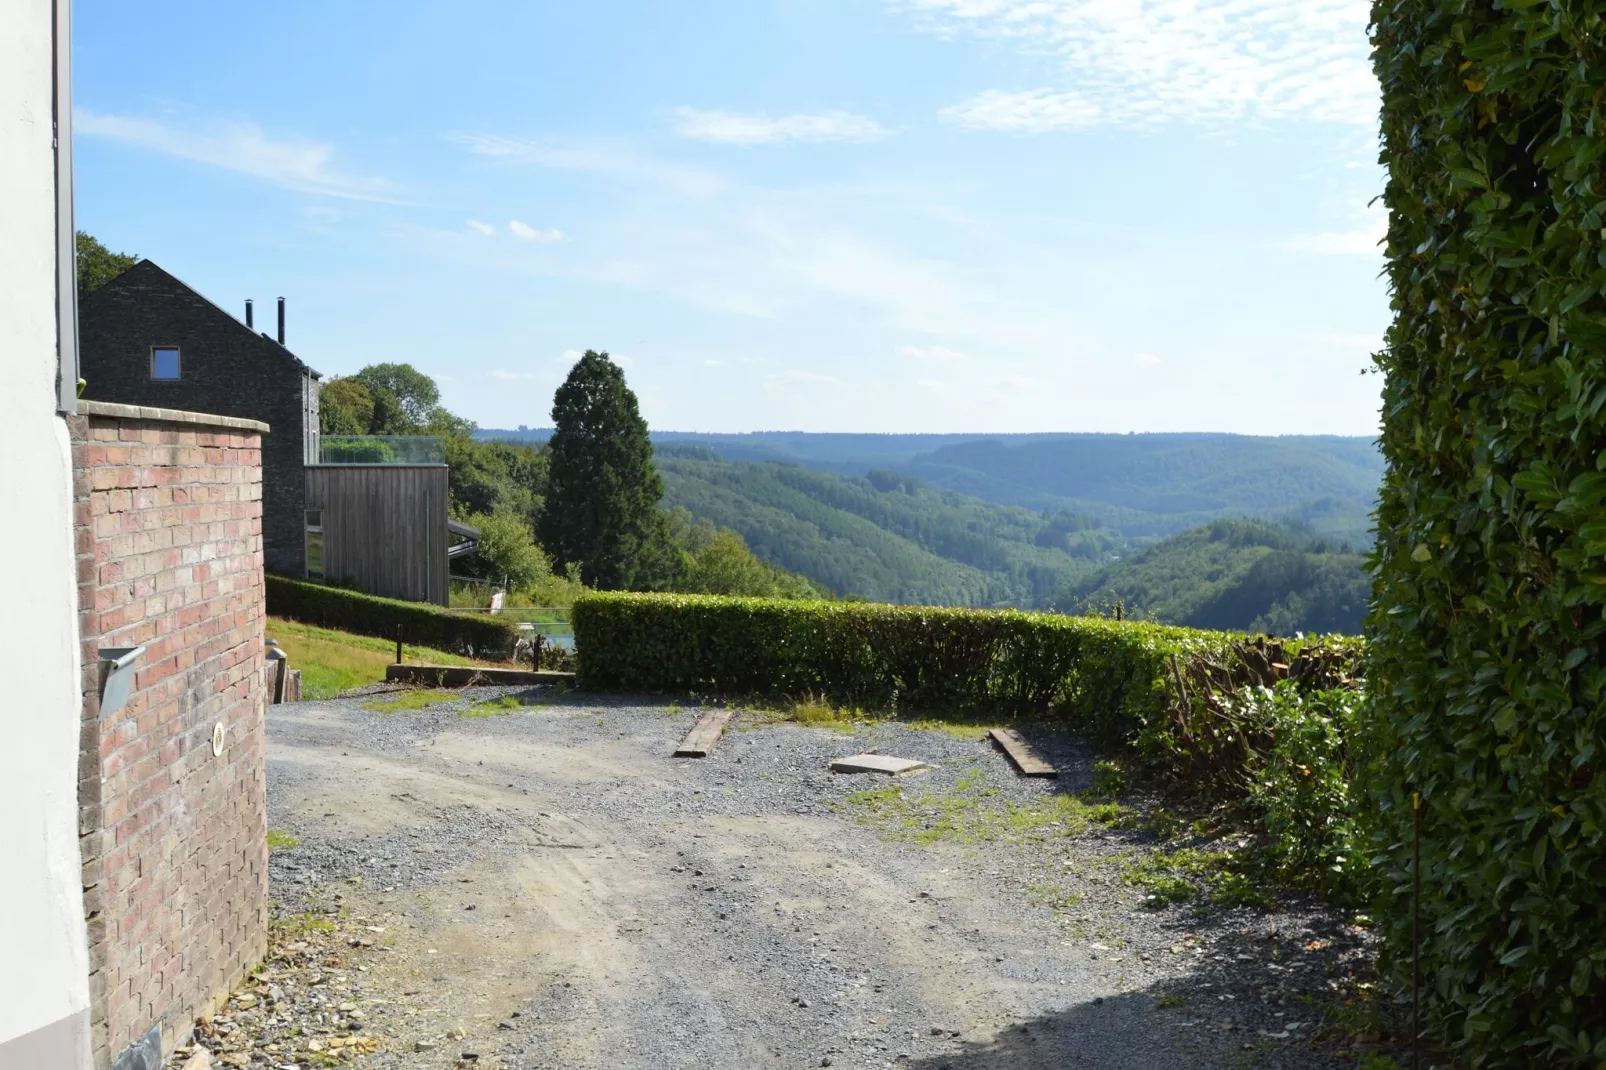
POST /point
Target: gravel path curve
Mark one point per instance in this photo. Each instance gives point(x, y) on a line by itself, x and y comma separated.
point(549, 888)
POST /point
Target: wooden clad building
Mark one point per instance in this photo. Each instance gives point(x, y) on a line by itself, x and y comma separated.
point(383, 526)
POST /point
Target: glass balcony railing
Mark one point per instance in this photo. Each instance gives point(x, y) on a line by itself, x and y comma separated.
point(381, 449)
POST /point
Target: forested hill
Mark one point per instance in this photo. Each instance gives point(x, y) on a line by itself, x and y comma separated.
point(1240, 574)
point(885, 536)
point(1137, 485)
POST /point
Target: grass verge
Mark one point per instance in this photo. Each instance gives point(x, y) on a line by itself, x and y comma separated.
point(333, 661)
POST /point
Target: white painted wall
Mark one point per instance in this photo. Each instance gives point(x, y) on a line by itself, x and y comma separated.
point(43, 955)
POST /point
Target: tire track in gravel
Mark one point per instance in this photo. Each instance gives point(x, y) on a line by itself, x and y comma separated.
point(556, 892)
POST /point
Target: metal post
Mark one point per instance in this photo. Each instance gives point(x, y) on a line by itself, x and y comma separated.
point(398, 644)
point(1416, 938)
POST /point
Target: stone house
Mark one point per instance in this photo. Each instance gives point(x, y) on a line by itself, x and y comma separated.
point(147, 339)
point(368, 511)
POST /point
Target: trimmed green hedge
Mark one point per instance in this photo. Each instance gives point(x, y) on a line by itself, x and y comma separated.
point(1488, 651)
point(1107, 677)
point(421, 623)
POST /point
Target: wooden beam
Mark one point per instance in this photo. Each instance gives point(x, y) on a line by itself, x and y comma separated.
point(1028, 761)
point(699, 742)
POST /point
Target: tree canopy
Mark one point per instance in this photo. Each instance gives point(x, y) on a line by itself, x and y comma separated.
point(98, 265)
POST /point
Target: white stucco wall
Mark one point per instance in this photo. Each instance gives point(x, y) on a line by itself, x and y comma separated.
point(43, 957)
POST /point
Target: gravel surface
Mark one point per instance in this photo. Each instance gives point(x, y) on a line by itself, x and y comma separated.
point(549, 888)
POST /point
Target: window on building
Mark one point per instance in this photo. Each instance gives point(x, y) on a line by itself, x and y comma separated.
point(314, 544)
point(164, 362)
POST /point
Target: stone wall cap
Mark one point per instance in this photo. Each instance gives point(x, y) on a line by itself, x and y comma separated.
point(172, 416)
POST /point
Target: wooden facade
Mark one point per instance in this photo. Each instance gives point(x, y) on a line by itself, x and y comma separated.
point(383, 526)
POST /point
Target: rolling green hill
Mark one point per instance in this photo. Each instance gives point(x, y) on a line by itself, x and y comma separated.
point(885, 536)
point(1140, 486)
point(1240, 574)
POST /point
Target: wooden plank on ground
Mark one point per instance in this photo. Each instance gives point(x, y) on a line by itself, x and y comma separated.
point(1028, 761)
point(699, 742)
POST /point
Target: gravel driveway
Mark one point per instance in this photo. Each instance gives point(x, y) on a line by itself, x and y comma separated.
point(549, 888)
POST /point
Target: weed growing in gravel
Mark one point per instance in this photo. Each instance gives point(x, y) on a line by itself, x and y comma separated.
point(1170, 1001)
point(303, 924)
point(411, 700)
point(501, 707)
point(967, 813)
point(280, 841)
point(1052, 895)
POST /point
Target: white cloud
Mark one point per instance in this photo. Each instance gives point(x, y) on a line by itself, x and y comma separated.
point(1140, 62)
point(608, 159)
point(481, 228)
point(938, 354)
point(1146, 358)
point(1035, 111)
point(734, 128)
point(293, 163)
point(525, 232)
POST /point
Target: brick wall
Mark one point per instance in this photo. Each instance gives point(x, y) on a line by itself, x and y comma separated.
point(225, 369)
point(168, 513)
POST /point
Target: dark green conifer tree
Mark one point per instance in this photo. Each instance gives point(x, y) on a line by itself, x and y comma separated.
point(601, 508)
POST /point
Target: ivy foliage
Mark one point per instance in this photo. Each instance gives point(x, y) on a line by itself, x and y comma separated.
point(1487, 661)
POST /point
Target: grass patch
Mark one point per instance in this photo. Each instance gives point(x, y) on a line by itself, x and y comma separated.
point(334, 661)
point(411, 700)
point(280, 841)
point(970, 813)
point(1164, 1002)
point(501, 707)
point(1191, 873)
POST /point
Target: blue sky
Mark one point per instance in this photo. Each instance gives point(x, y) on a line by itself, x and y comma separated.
point(826, 215)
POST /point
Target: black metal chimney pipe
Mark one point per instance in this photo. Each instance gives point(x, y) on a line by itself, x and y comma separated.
point(248, 312)
point(281, 321)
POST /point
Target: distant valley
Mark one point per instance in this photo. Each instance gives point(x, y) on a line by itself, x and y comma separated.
point(1065, 521)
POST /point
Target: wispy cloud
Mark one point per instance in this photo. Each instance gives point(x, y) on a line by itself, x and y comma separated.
point(796, 377)
point(1141, 62)
point(525, 232)
point(1364, 240)
point(481, 228)
point(735, 128)
point(939, 354)
point(611, 160)
point(294, 163)
point(1148, 359)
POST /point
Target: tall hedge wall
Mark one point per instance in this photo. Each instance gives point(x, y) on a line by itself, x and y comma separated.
point(1106, 676)
point(1487, 659)
point(421, 624)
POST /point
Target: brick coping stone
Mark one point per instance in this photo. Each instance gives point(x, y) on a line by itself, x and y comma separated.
point(172, 416)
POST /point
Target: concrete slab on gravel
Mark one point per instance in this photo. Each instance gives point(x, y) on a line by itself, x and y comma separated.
point(877, 763)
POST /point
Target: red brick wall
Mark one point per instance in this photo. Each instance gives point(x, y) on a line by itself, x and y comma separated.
point(169, 542)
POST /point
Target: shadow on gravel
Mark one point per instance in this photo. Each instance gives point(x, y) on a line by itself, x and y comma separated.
point(1260, 990)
